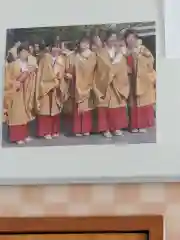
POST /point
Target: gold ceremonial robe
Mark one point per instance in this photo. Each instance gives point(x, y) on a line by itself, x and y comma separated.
point(69, 76)
point(51, 87)
point(143, 78)
point(18, 101)
point(82, 70)
point(111, 84)
point(32, 61)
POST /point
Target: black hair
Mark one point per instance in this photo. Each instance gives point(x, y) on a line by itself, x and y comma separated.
point(42, 46)
point(70, 46)
point(93, 36)
point(23, 46)
point(120, 37)
point(94, 33)
point(130, 32)
point(10, 58)
point(31, 43)
point(49, 43)
point(109, 34)
point(45, 44)
point(84, 38)
point(33, 51)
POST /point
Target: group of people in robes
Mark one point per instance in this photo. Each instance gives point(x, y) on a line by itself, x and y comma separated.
point(115, 77)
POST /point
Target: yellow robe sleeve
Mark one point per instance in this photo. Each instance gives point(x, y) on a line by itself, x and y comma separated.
point(46, 80)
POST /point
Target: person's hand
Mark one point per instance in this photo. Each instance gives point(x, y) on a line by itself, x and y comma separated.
point(68, 76)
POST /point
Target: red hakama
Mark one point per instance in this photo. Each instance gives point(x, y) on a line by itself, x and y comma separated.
point(48, 125)
point(112, 119)
point(18, 132)
point(82, 122)
point(143, 116)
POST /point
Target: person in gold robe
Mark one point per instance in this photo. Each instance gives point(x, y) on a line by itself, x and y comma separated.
point(142, 83)
point(32, 58)
point(51, 92)
point(19, 92)
point(68, 106)
point(80, 66)
point(111, 87)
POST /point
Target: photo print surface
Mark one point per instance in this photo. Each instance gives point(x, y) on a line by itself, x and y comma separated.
point(80, 85)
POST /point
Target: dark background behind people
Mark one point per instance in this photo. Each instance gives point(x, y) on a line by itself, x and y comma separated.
point(150, 43)
point(70, 34)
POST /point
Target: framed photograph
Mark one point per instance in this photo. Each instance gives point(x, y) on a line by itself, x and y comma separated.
point(172, 35)
point(86, 95)
point(84, 86)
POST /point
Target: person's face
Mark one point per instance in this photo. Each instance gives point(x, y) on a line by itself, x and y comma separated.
point(120, 43)
point(36, 47)
point(131, 41)
point(31, 49)
point(24, 54)
point(55, 52)
point(111, 42)
point(84, 45)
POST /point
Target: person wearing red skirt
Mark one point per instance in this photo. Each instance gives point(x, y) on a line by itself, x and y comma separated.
point(111, 87)
point(19, 95)
point(80, 66)
point(50, 93)
point(142, 78)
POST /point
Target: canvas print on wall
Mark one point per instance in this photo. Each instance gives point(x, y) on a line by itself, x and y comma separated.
point(79, 85)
